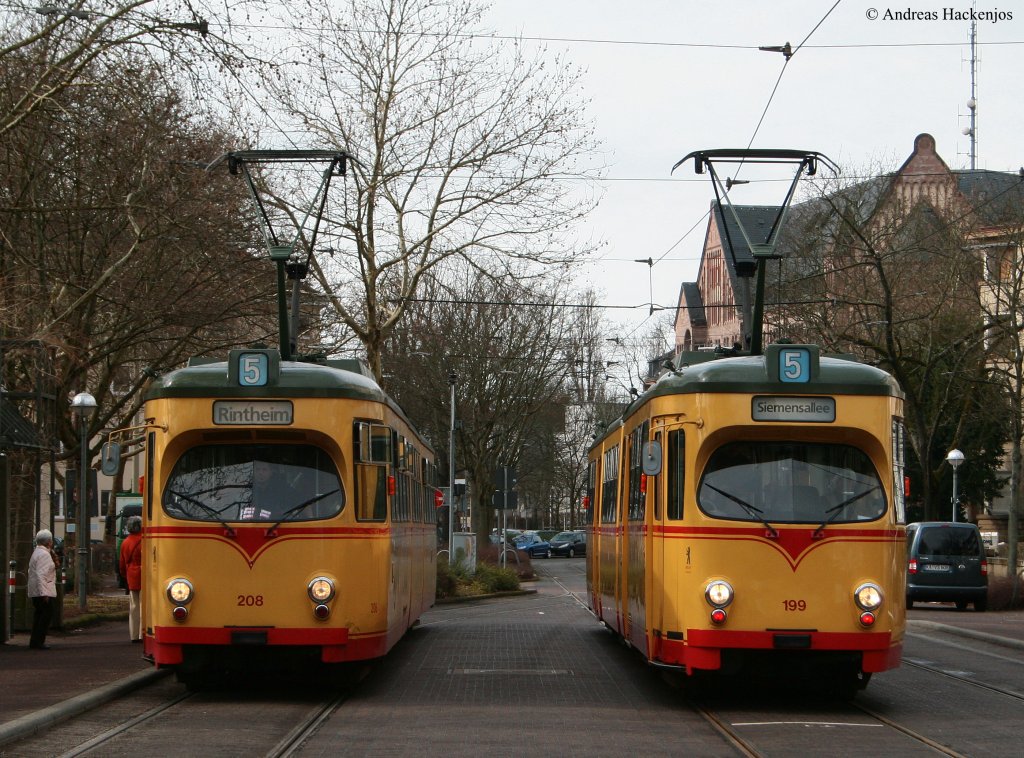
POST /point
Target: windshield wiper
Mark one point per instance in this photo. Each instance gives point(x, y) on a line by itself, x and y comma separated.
point(750, 509)
point(835, 510)
point(271, 532)
point(229, 531)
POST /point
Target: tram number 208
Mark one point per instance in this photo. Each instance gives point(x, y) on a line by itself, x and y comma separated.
point(250, 600)
point(794, 605)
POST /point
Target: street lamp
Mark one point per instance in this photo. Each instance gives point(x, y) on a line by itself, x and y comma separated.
point(83, 405)
point(954, 458)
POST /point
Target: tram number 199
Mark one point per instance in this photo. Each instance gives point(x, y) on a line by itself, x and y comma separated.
point(794, 605)
point(250, 600)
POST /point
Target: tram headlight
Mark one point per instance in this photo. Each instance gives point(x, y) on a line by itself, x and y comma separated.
point(718, 593)
point(868, 596)
point(180, 591)
point(321, 590)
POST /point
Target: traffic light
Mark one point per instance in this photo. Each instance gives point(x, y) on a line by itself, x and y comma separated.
point(505, 497)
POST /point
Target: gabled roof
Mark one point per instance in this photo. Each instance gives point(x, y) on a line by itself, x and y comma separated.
point(756, 221)
point(690, 299)
point(997, 197)
point(15, 429)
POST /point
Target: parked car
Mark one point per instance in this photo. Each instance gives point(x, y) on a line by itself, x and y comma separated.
point(569, 544)
point(511, 535)
point(534, 546)
point(946, 562)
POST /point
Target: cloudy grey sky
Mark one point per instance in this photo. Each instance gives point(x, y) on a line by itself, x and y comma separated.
point(667, 77)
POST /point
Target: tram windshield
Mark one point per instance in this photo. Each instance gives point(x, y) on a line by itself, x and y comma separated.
point(274, 483)
point(786, 482)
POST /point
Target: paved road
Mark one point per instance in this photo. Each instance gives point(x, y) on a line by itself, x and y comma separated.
point(538, 674)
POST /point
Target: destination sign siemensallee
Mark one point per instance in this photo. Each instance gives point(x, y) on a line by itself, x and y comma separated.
point(252, 412)
point(818, 410)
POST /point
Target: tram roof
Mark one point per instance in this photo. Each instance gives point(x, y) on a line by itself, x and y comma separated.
point(749, 374)
point(210, 379)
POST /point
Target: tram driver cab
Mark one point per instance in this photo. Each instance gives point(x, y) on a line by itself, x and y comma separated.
point(788, 482)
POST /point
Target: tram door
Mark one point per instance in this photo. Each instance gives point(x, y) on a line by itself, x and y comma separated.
point(673, 564)
point(633, 554)
point(609, 536)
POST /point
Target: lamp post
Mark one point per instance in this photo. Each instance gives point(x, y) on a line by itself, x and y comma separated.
point(453, 378)
point(954, 458)
point(83, 405)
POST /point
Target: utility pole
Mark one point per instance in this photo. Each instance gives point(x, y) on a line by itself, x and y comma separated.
point(453, 378)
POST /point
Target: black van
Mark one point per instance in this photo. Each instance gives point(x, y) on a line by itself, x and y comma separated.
point(946, 562)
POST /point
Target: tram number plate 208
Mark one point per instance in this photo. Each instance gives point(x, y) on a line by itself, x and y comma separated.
point(794, 605)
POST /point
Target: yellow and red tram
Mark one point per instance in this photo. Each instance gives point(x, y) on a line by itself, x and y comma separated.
point(747, 514)
point(288, 516)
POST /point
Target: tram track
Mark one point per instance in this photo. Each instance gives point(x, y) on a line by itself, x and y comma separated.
point(914, 735)
point(747, 746)
point(102, 739)
point(292, 741)
point(139, 729)
point(966, 680)
point(726, 731)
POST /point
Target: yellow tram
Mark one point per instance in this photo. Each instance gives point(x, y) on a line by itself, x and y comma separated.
point(288, 516)
point(747, 514)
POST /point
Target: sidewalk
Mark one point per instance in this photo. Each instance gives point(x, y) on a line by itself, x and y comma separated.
point(80, 662)
point(1000, 627)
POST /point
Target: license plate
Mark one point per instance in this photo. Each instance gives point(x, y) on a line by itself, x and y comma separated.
point(936, 567)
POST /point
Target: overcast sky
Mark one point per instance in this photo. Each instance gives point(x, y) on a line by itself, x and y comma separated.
point(669, 77)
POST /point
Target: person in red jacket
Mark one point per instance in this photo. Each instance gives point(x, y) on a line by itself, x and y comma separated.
point(131, 569)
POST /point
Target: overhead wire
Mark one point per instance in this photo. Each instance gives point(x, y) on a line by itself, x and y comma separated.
point(764, 112)
point(803, 44)
point(629, 42)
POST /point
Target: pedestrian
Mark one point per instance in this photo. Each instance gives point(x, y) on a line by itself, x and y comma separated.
point(42, 588)
point(130, 565)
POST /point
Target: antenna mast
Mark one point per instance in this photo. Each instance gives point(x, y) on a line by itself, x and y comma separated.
point(972, 104)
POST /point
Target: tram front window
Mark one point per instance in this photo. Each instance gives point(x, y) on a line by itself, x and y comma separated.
point(785, 482)
point(270, 483)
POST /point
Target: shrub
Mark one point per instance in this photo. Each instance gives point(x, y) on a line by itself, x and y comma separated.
point(495, 579)
point(519, 563)
point(455, 581)
point(1001, 595)
point(449, 578)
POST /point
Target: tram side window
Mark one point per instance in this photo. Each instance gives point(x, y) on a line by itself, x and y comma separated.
point(588, 506)
point(374, 446)
point(636, 495)
point(899, 462)
point(676, 470)
point(610, 486)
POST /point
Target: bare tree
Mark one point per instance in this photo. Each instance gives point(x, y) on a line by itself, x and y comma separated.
point(506, 345)
point(588, 405)
point(461, 150)
point(115, 251)
point(54, 46)
point(892, 282)
point(1003, 303)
